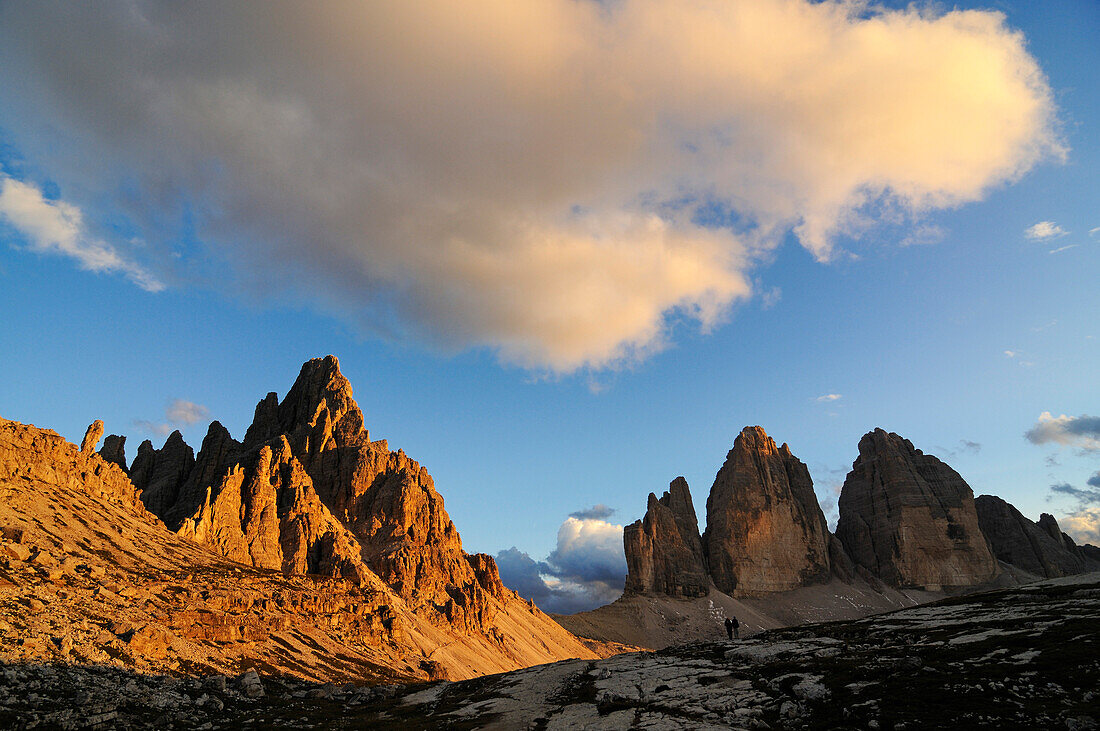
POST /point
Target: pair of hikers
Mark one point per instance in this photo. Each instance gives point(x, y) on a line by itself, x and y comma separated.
point(733, 627)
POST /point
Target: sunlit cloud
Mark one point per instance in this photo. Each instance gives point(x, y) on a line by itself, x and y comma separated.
point(1044, 231)
point(527, 177)
point(56, 227)
point(1083, 526)
point(829, 397)
point(1060, 249)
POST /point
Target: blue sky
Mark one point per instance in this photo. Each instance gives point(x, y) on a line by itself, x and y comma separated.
point(540, 378)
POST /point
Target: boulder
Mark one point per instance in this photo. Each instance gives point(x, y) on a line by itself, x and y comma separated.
point(765, 529)
point(664, 551)
point(909, 519)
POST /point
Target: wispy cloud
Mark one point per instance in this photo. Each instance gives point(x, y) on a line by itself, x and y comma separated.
point(826, 398)
point(1044, 231)
point(1085, 496)
point(1011, 353)
point(520, 176)
point(56, 227)
point(1060, 249)
point(1078, 431)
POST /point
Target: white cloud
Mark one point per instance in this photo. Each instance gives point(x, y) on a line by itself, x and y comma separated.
point(1044, 231)
point(56, 227)
point(1078, 431)
point(524, 176)
point(828, 397)
point(1011, 353)
point(1082, 526)
point(1094, 231)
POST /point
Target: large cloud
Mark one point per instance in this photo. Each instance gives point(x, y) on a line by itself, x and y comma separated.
point(540, 177)
point(1079, 431)
point(585, 571)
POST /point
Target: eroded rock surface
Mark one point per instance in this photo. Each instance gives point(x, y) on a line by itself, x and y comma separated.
point(664, 551)
point(765, 529)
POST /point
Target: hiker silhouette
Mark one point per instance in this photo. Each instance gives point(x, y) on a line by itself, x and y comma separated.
point(733, 628)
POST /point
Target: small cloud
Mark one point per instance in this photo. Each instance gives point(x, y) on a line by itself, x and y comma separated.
point(185, 412)
point(1094, 481)
point(596, 512)
point(1047, 326)
point(969, 446)
point(178, 414)
point(153, 428)
point(1094, 232)
point(1045, 231)
point(1011, 353)
point(1060, 249)
point(828, 397)
point(1078, 431)
point(57, 227)
point(770, 298)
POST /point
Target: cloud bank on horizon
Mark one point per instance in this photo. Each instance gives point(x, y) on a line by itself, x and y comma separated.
point(537, 177)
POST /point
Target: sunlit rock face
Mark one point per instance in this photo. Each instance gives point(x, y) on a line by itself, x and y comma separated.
point(910, 519)
point(308, 491)
point(1024, 543)
point(664, 551)
point(765, 529)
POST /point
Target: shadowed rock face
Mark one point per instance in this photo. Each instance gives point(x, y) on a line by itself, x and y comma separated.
point(1024, 543)
point(114, 451)
point(664, 552)
point(159, 473)
point(910, 519)
point(765, 529)
point(308, 491)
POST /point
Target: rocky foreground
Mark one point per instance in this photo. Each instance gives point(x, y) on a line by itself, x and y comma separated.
point(1026, 657)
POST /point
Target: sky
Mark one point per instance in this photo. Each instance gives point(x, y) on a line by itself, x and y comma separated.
point(565, 250)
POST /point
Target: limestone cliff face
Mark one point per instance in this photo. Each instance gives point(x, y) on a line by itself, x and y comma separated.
point(664, 551)
point(765, 529)
point(308, 490)
point(910, 519)
point(1023, 543)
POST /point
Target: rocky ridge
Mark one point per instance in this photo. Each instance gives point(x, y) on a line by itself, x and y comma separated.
point(309, 491)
